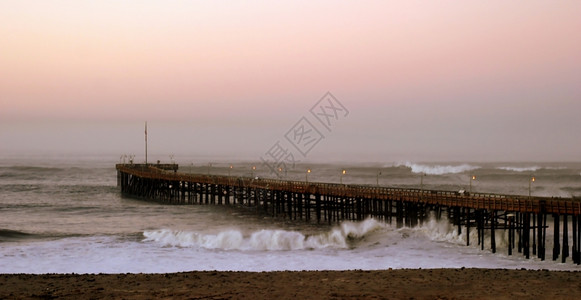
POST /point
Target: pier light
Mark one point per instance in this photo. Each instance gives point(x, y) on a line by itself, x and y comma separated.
point(230, 170)
point(422, 175)
point(307, 175)
point(473, 177)
point(253, 169)
point(530, 183)
point(209, 168)
point(343, 172)
point(377, 179)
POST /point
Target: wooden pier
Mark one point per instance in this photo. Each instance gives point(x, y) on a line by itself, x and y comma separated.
point(524, 217)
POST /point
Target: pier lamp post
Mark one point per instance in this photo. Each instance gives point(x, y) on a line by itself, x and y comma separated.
point(307, 175)
point(530, 183)
point(343, 172)
point(280, 171)
point(230, 170)
point(472, 177)
point(377, 179)
point(209, 168)
point(422, 184)
point(253, 169)
point(191, 166)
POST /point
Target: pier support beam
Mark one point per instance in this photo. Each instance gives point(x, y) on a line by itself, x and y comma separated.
point(399, 214)
point(468, 227)
point(534, 234)
point(556, 245)
point(492, 231)
point(540, 236)
point(480, 222)
point(575, 240)
point(565, 253)
point(526, 234)
point(510, 233)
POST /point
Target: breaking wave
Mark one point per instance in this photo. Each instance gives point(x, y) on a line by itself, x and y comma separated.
point(266, 239)
point(438, 169)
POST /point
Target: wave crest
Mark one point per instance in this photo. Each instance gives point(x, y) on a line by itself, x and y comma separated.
point(266, 239)
point(438, 169)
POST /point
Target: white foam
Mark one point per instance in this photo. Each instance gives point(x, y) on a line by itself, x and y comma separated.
point(438, 169)
point(366, 245)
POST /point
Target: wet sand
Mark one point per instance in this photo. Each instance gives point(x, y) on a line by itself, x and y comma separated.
point(388, 284)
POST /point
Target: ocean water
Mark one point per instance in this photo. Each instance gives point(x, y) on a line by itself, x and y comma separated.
point(66, 214)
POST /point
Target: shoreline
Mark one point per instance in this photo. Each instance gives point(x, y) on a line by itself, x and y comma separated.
point(393, 284)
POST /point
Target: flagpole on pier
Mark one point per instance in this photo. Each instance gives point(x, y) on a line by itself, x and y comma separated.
point(146, 143)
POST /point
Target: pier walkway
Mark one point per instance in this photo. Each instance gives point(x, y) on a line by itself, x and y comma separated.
point(524, 217)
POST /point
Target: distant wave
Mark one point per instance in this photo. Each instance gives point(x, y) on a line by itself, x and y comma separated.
point(529, 169)
point(520, 169)
point(438, 169)
point(264, 240)
point(7, 235)
point(32, 169)
point(13, 235)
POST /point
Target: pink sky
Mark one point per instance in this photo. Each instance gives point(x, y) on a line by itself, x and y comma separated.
point(417, 76)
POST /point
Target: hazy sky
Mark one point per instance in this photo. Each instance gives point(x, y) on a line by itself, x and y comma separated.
point(422, 80)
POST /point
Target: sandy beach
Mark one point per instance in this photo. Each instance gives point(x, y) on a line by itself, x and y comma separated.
point(387, 284)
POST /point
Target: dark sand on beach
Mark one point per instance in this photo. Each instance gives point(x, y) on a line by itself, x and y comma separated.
point(388, 284)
